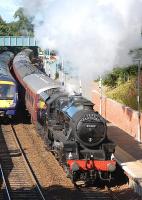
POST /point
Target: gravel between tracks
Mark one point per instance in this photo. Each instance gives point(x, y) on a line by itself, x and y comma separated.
point(50, 174)
point(125, 193)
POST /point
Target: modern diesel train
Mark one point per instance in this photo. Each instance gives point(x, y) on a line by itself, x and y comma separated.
point(69, 125)
point(8, 86)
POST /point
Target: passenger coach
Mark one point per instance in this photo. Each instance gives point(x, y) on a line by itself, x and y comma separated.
point(37, 87)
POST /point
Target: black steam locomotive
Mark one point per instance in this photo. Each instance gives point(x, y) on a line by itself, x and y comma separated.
point(78, 136)
point(73, 131)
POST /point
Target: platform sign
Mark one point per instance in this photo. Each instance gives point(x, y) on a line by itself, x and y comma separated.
point(17, 41)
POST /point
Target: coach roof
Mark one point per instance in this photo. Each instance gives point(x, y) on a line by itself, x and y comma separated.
point(39, 83)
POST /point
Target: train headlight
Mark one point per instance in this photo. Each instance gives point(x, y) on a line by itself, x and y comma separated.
point(111, 167)
point(13, 104)
point(74, 167)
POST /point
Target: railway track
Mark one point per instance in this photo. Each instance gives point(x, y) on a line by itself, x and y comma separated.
point(5, 194)
point(20, 180)
point(84, 193)
point(47, 172)
point(95, 193)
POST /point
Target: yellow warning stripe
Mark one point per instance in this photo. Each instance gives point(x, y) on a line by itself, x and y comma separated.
point(7, 82)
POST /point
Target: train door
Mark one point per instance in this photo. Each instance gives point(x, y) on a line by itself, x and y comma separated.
point(30, 103)
point(41, 112)
point(33, 107)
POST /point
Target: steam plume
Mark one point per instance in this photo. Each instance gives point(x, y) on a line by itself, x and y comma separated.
point(94, 35)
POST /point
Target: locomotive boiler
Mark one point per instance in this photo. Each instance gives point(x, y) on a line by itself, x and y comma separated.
point(72, 130)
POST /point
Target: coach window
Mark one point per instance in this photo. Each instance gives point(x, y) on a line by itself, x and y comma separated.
point(32, 101)
point(29, 97)
point(26, 96)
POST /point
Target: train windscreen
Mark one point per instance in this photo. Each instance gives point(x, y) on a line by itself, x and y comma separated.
point(7, 91)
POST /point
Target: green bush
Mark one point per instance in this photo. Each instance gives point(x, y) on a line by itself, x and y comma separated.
point(119, 75)
point(125, 93)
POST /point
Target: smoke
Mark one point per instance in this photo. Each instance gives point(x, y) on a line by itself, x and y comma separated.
point(94, 35)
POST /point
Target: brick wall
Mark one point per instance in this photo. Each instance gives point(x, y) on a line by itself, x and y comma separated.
point(120, 115)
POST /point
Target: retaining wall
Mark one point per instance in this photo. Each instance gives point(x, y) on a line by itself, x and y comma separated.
point(122, 116)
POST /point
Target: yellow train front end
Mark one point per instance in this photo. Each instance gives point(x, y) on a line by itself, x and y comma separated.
point(8, 98)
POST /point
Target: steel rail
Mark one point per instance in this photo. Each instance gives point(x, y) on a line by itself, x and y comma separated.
point(4, 181)
point(27, 163)
point(114, 196)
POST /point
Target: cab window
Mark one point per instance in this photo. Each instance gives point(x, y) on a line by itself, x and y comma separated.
point(7, 91)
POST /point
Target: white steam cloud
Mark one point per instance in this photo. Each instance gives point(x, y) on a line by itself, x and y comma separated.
point(94, 35)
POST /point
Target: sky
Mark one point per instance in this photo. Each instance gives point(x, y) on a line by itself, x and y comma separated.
point(8, 8)
point(93, 35)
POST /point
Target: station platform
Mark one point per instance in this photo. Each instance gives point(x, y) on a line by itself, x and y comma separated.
point(128, 154)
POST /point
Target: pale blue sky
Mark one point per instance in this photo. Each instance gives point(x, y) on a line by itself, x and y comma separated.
point(8, 8)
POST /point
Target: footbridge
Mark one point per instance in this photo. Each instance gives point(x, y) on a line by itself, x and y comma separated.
point(13, 41)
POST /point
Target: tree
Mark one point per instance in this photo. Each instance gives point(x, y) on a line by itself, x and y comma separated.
point(22, 27)
point(24, 23)
point(1, 20)
point(4, 29)
point(120, 75)
point(136, 53)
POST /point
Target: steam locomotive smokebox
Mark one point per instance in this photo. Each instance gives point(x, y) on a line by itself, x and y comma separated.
point(71, 150)
point(70, 146)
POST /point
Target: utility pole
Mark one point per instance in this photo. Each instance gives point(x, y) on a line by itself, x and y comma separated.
point(138, 136)
point(138, 101)
point(62, 68)
point(100, 88)
point(137, 55)
point(80, 87)
point(49, 71)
